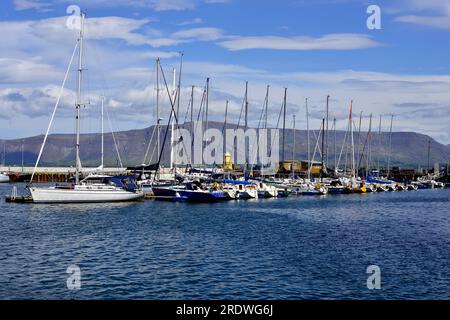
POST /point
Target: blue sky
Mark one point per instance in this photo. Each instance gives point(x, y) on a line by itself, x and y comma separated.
point(313, 48)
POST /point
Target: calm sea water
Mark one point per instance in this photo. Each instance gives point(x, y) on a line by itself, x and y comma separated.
point(294, 248)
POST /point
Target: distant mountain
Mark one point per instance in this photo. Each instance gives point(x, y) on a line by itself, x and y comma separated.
point(409, 149)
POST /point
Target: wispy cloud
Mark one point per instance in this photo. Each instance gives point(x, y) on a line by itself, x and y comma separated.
point(157, 5)
point(204, 34)
point(190, 22)
point(440, 22)
point(343, 41)
point(433, 13)
point(31, 4)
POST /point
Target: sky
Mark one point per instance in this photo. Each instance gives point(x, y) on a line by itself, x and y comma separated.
point(312, 48)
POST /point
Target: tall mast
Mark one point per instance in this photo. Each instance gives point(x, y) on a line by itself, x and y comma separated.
point(246, 125)
point(353, 142)
point(158, 128)
point(246, 106)
point(284, 123)
point(307, 138)
point(369, 152)
point(206, 109)
point(266, 107)
point(102, 147)
point(78, 101)
point(390, 147)
point(379, 146)
point(224, 133)
point(174, 96)
point(359, 141)
point(326, 136)
point(192, 123)
point(179, 85)
point(293, 149)
point(323, 142)
point(335, 144)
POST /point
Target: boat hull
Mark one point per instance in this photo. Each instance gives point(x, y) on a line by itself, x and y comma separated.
point(59, 195)
point(200, 196)
point(4, 178)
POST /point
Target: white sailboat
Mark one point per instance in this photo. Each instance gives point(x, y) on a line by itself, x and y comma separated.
point(94, 188)
point(4, 178)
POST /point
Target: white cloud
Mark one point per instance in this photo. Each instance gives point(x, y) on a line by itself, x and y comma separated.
point(199, 34)
point(26, 71)
point(326, 42)
point(441, 22)
point(436, 13)
point(190, 22)
point(157, 5)
point(438, 6)
point(31, 4)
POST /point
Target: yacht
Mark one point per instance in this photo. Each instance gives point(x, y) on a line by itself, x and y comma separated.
point(94, 188)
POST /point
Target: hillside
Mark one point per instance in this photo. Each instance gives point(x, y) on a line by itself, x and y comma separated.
point(409, 148)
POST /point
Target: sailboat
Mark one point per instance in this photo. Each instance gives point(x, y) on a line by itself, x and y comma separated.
point(4, 178)
point(96, 188)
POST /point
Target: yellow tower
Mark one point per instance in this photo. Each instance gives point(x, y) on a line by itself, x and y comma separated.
point(227, 164)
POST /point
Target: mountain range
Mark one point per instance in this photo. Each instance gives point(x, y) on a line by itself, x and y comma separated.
point(409, 149)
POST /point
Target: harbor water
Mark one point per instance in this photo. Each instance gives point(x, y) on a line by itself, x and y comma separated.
point(292, 248)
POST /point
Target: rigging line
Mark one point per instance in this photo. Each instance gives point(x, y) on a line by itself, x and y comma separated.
point(278, 124)
point(242, 108)
point(114, 139)
point(148, 145)
point(317, 138)
point(362, 155)
point(172, 103)
point(342, 148)
point(201, 103)
point(314, 153)
point(255, 155)
point(54, 112)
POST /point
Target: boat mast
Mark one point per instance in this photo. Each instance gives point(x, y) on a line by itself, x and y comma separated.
point(335, 144)
point(78, 101)
point(293, 149)
point(179, 85)
point(158, 128)
point(246, 125)
point(307, 138)
point(369, 152)
point(352, 139)
point(284, 122)
point(192, 124)
point(358, 153)
point(266, 107)
point(102, 147)
point(174, 96)
point(206, 114)
point(429, 151)
point(379, 146)
point(390, 147)
point(224, 133)
point(322, 160)
point(327, 134)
